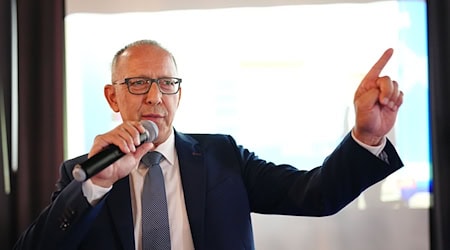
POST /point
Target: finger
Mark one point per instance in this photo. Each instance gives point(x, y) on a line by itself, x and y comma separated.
point(387, 89)
point(122, 136)
point(394, 95)
point(143, 149)
point(100, 143)
point(130, 133)
point(376, 69)
point(133, 133)
point(126, 136)
point(390, 94)
point(115, 137)
point(397, 98)
point(399, 101)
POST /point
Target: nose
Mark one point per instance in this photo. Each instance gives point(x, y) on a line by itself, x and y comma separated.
point(154, 95)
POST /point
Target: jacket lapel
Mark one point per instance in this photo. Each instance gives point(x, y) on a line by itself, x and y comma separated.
point(193, 176)
point(119, 205)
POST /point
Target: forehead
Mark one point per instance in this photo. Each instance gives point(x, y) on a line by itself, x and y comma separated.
point(144, 60)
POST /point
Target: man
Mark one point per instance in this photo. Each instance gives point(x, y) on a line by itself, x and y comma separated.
point(212, 185)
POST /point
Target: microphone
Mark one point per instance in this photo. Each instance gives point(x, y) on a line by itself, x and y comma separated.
point(110, 154)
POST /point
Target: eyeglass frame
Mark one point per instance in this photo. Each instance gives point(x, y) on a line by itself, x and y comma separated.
point(149, 80)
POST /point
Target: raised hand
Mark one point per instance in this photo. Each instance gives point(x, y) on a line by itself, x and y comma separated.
point(377, 100)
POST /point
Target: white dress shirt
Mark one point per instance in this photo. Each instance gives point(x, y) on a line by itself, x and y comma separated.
point(180, 232)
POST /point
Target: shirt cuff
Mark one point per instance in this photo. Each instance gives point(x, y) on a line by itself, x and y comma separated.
point(92, 192)
point(376, 150)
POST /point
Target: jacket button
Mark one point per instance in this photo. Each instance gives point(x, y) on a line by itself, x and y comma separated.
point(64, 225)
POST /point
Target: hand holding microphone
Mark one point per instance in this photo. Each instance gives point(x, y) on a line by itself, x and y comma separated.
point(110, 154)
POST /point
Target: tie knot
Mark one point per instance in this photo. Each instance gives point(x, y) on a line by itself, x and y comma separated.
point(152, 158)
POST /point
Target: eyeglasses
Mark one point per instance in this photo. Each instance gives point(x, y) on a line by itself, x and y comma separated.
point(141, 85)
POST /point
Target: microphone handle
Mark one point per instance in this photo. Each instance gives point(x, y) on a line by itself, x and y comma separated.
point(100, 161)
point(97, 163)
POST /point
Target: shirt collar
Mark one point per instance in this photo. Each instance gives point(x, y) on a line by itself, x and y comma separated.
point(167, 148)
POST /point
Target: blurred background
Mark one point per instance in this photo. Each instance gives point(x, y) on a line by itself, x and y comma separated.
point(295, 62)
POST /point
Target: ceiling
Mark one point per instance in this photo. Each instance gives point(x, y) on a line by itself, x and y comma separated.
point(117, 6)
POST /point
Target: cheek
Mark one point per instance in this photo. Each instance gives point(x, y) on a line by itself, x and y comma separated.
point(129, 107)
point(170, 105)
point(173, 105)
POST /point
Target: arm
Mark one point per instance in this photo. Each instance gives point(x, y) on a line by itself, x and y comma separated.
point(69, 216)
point(56, 223)
point(347, 171)
point(322, 191)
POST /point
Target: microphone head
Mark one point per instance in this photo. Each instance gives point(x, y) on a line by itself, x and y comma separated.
point(151, 128)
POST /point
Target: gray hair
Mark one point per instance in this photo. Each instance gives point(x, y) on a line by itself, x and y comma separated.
point(139, 43)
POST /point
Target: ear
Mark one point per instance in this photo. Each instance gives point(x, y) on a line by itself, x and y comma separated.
point(110, 94)
point(179, 97)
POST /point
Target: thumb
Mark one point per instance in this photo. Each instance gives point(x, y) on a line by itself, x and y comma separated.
point(143, 149)
point(367, 100)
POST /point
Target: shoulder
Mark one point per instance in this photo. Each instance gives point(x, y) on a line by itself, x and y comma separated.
point(205, 140)
point(217, 145)
point(212, 138)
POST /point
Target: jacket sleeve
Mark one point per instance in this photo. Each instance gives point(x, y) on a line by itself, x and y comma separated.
point(322, 191)
point(60, 222)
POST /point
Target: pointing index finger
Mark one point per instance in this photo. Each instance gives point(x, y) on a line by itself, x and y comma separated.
point(376, 69)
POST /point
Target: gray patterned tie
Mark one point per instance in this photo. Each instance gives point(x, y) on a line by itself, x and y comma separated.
point(155, 222)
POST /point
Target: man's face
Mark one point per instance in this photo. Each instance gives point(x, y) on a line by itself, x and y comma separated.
point(144, 61)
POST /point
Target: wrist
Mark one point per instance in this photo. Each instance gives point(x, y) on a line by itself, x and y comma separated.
point(367, 138)
point(92, 192)
point(104, 183)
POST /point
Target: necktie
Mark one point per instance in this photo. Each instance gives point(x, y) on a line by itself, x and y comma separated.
point(155, 222)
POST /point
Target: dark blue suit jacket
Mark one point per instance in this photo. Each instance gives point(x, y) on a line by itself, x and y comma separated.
point(222, 183)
